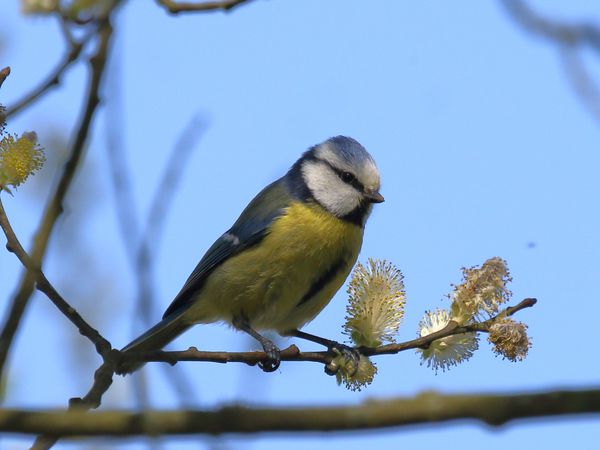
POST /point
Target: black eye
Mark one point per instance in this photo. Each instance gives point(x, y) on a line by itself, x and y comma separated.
point(347, 177)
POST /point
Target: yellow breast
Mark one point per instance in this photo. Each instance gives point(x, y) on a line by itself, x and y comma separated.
point(286, 279)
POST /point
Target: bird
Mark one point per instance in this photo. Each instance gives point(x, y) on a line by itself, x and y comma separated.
point(284, 258)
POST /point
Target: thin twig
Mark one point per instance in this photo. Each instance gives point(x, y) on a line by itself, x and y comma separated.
point(51, 81)
point(103, 376)
point(582, 82)
point(426, 408)
point(141, 247)
point(569, 38)
point(175, 7)
point(66, 30)
point(165, 191)
point(292, 353)
point(54, 207)
point(576, 34)
point(450, 329)
point(151, 237)
point(119, 171)
point(3, 74)
point(14, 246)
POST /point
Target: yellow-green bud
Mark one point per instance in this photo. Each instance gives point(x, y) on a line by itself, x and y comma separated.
point(19, 158)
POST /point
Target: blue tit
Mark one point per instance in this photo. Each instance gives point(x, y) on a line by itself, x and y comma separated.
point(286, 256)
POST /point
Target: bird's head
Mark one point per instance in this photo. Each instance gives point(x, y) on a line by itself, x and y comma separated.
point(342, 177)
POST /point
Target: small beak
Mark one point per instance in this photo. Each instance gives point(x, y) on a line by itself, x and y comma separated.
point(374, 196)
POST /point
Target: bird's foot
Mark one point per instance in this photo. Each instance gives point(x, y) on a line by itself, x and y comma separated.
point(273, 359)
point(343, 354)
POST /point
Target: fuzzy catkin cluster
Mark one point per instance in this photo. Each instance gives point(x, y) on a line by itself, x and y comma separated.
point(448, 351)
point(510, 339)
point(373, 315)
point(19, 158)
point(355, 378)
point(482, 291)
point(479, 297)
point(376, 305)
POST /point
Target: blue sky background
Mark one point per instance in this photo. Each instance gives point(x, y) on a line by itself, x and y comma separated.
point(484, 151)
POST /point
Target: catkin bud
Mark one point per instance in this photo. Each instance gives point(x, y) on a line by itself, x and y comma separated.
point(376, 305)
point(510, 339)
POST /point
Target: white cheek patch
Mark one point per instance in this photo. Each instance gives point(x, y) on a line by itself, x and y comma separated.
point(332, 193)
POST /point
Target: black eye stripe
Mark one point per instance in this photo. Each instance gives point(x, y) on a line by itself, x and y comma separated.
point(351, 181)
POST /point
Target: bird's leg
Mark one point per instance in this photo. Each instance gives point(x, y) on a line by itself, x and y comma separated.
point(273, 353)
point(351, 354)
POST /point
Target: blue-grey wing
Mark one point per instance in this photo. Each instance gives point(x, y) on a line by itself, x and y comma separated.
point(250, 228)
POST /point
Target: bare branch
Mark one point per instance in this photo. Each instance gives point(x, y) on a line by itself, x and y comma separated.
point(450, 329)
point(14, 246)
point(150, 238)
point(582, 82)
point(292, 353)
point(165, 191)
point(51, 81)
point(426, 408)
point(175, 7)
point(54, 207)
point(142, 245)
point(102, 381)
point(103, 376)
point(577, 34)
point(569, 37)
point(4, 73)
point(51, 213)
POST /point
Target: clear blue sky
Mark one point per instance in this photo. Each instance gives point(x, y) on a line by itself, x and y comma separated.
point(484, 151)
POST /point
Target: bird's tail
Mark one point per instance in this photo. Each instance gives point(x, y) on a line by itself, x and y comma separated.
point(154, 339)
